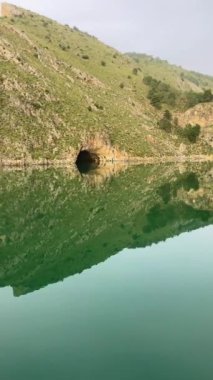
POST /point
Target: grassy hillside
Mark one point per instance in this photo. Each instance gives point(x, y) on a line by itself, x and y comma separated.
point(173, 75)
point(60, 86)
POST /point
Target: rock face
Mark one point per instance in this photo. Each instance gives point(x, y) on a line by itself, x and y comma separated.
point(101, 147)
point(201, 114)
point(8, 10)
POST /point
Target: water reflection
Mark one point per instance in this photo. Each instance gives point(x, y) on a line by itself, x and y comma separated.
point(55, 223)
point(187, 181)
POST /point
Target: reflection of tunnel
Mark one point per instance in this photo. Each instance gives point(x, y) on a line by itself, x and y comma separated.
point(87, 160)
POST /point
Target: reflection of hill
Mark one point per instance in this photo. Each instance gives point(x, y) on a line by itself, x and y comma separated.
point(53, 226)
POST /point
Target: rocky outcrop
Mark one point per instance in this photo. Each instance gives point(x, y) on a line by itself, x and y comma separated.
point(201, 114)
point(9, 10)
point(101, 146)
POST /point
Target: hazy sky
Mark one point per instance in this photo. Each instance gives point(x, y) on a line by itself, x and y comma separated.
point(180, 31)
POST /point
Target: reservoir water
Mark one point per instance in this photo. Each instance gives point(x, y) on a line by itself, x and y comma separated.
point(107, 275)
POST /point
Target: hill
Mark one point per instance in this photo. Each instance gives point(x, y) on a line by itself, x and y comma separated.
point(62, 90)
point(173, 75)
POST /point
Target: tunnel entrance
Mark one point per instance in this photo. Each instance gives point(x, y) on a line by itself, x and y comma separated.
point(87, 161)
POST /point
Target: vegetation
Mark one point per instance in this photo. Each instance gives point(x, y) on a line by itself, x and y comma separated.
point(161, 93)
point(175, 76)
point(194, 98)
point(51, 75)
point(191, 132)
point(166, 122)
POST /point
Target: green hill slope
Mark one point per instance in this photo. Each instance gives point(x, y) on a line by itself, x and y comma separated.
point(173, 75)
point(60, 87)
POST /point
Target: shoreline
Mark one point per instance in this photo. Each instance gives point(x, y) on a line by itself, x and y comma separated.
point(4, 163)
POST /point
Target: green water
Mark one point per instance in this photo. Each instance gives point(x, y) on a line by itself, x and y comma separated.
point(106, 276)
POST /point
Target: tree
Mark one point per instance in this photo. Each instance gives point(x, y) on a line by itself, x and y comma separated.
point(154, 98)
point(207, 96)
point(192, 132)
point(167, 115)
point(135, 71)
point(160, 92)
point(194, 98)
point(166, 122)
point(148, 80)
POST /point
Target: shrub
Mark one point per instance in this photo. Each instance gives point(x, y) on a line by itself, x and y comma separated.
point(160, 92)
point(191, 132)
point(64, 46)
point(85, 56)
point(103, 63)
point(148, 80)
point(176, 122)
point(190, 181)
point(99, 106)
point(168, 115)
point(121, 85)
point(194, 98)
point(166, 122)
point(155, 99)
point(207, 96)
point(135, 71)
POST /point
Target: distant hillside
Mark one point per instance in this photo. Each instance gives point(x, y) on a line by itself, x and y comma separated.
point(173, 75)
point(62, 90)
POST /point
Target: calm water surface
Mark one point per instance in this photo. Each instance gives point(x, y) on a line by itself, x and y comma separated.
point(107, 277)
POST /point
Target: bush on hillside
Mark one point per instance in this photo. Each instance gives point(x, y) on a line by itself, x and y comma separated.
point(148, 80)
point(135, 71)
point(194, 98)
point(207, 96)
point(166, 122)
point(64, 46)
point(191, 132)
point(159, 92)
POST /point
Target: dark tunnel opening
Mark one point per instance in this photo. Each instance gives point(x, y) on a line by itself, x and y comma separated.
point(87, 161)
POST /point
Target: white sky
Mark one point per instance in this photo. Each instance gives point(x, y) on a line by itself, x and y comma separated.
point(180, 31)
